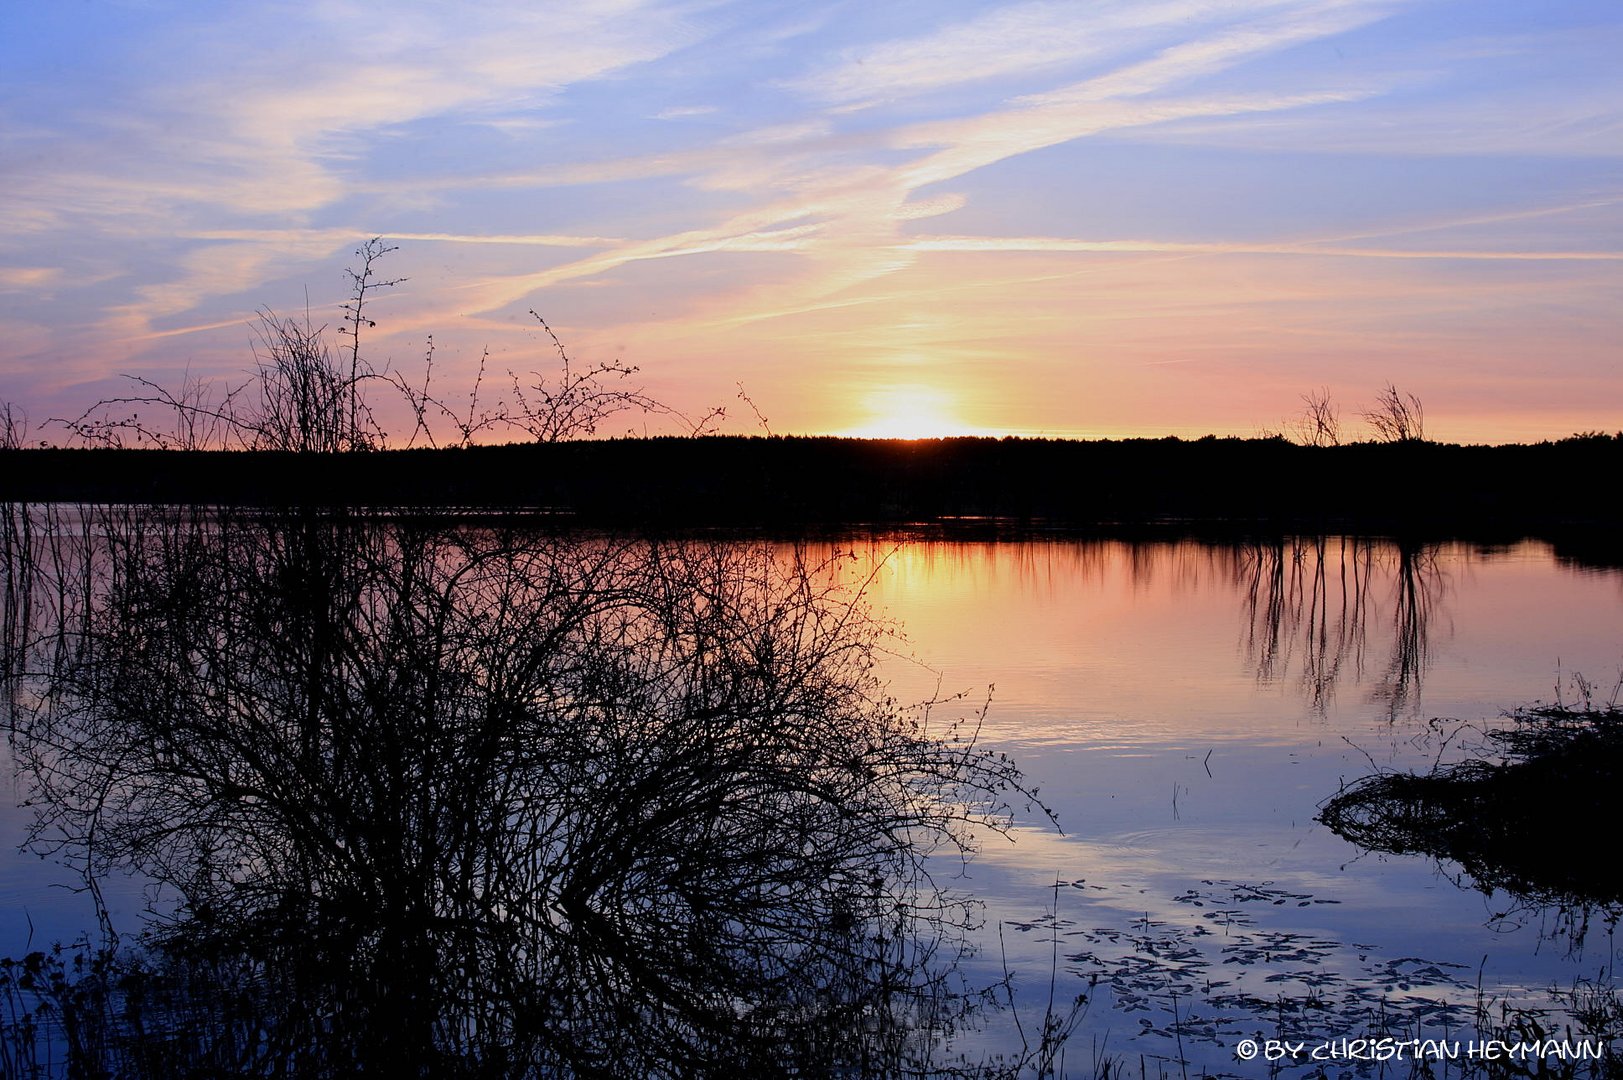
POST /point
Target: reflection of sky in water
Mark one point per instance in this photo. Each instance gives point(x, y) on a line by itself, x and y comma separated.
point(39, 903)
point(1184, 710)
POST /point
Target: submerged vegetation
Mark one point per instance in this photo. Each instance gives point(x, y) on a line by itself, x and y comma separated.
point(1527, 818)
point(1526, 821)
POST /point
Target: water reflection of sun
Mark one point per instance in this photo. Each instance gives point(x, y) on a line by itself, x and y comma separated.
point(909, 412)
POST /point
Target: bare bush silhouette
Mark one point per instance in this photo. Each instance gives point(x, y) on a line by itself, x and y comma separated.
point(571, 402)
point(1396, 417)
point(298, 398)
point(1319, 422)
point(13, 426)
point(576, 400)
point(196, 416)
point(439, 800)
point(303, 396)
point(306, 403)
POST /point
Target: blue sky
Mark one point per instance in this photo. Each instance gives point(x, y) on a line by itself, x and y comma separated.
point(1091, 218)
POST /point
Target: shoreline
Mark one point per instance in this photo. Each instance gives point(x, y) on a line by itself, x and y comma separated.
point(727, 481)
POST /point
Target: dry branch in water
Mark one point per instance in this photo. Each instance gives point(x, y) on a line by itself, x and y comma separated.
point(441, 797)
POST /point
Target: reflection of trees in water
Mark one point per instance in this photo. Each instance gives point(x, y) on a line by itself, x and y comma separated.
point(16, 596)
point(439, 799)
point(1419, 586)
point(1310, 601)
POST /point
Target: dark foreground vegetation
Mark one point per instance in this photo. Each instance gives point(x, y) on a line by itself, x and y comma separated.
point(427, 798)
point(1527, 818)
point(1533, 816)
point(798, 481)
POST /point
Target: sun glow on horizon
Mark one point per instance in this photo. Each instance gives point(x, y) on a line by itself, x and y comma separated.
point(1006, 218)
point(910, 411)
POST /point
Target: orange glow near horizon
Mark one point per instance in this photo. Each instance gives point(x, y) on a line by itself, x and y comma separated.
point(909, 411)
point(1012, 218)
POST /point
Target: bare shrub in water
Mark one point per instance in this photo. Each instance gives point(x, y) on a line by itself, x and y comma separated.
point(457, 799)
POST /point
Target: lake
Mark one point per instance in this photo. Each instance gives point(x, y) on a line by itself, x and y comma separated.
point(1184, 708)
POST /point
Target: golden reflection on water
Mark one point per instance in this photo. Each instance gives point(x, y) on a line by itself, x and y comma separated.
point(1185, 708)
point(1149, 640)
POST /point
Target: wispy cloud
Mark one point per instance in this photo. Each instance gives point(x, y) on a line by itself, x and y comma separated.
point(683, 112)
point(1119, 247)
point(719, 167)
point(1552, 92)
point(861, 205)
point(339, 236)
point(1522, 124)
point(1013, 40)
point(28, 278)
point(229, 129)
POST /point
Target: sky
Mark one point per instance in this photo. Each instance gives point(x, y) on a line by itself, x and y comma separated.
point(1098, 218)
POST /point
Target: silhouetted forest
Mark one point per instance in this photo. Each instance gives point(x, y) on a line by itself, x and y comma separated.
point(723, 480)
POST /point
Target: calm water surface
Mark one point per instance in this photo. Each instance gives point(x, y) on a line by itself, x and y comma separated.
point(1184, 709)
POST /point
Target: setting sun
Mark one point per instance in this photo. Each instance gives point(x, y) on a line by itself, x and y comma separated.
point(909, 412)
